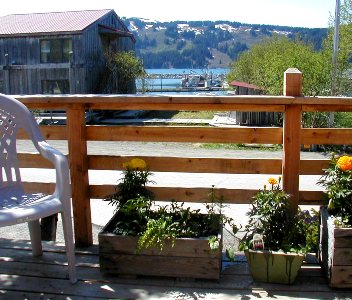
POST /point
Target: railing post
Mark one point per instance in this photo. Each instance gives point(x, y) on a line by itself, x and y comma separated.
point(77, 146)
point(292, 137)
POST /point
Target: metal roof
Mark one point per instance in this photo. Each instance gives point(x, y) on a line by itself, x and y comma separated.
point(68, 21)
point(244, 85)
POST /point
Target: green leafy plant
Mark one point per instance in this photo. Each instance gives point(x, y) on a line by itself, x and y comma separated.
point(132, 185)
point(271, 219)
point(337, 180)
point(124, 67)
point(157, 232)
point(156, 225)
point(215, 208)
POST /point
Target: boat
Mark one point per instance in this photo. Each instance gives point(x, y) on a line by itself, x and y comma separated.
point(206, 81)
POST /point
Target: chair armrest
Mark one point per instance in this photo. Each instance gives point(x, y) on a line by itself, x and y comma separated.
point(62, 189)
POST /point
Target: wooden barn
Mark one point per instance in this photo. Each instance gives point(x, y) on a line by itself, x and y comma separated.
point(244, 88)
point(59, 52)
point(251, 118)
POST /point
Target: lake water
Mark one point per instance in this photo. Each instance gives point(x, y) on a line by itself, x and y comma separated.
point(162, 84)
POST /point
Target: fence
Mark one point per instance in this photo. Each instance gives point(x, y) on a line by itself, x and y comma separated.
point(291, 136)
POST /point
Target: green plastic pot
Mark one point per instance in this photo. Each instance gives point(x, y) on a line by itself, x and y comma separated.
point(274, 267)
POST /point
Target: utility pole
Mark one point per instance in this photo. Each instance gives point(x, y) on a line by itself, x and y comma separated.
point(334, 57)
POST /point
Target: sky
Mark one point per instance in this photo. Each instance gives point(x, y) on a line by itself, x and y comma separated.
point(297, 13)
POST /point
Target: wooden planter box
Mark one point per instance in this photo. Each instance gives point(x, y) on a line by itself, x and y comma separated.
point(335, 252)
point(274, 267)
point(189, 258)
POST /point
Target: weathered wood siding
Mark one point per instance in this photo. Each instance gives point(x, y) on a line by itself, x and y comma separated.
point(95, 46)
point(21, 71)
point(20, 50)
point(335, 249)
point(93, 55)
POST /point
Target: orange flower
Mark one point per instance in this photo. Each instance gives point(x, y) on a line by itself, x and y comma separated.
point(345, 163)
point(272, 181)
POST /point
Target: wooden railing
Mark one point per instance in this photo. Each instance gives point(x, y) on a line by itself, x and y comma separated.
point(292, 136)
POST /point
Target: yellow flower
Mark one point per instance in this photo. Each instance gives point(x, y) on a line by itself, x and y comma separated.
point(135, 164)
point(345, 163)
point(272, 181)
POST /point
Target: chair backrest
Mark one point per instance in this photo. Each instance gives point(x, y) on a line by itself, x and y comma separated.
point(14, 116)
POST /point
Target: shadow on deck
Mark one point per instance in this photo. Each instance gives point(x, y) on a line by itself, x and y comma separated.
point(26, 277)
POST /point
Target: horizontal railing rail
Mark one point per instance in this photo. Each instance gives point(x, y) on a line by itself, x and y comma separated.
point(291, 136)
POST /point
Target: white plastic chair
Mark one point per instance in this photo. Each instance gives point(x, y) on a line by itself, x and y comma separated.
point(15, 205)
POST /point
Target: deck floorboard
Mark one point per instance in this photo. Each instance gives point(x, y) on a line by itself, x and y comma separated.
point(23, 276)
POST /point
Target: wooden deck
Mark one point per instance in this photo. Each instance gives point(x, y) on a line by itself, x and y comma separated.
point(26, 277)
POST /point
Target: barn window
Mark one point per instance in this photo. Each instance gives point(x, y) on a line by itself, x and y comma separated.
point(55, 50)
point(1, 86)
point(55, 87)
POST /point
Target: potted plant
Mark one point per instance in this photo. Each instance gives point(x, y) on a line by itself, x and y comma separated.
point(172, 240)
point(335, 246)
point(276, 239)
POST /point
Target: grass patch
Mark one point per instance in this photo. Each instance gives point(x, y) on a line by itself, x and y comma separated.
point(273, 147)
point(194, 115)
point(181, 114)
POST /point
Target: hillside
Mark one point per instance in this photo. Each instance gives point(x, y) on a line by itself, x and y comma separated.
point(201, 44)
